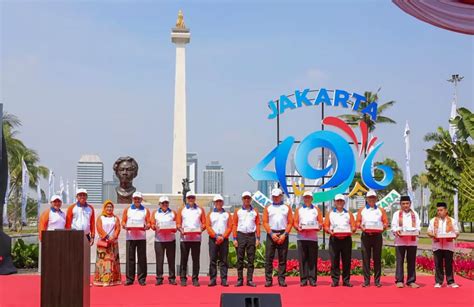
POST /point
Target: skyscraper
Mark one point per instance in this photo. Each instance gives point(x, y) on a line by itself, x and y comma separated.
point(90, 176)
point(213, 178)
point(109, 189)
point(192, 170)
point(266, 186)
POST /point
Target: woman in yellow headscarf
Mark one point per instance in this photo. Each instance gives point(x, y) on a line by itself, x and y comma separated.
point(107, 265)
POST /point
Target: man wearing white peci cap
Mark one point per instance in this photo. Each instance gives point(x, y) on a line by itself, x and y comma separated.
point(277, 221)
point(246, 234)
point(165, 240)
point(308, 220)
point(136, 220)
point(340, 224)
point(81, 216)
point(219, 227)
point(53, 218)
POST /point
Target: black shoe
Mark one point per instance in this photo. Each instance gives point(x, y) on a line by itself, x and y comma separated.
point(378, 285)
point(239, 283)
point(211, 284)
point(128, 283)
point(142, 283)
point(365, 285)
point(183, 283)
point(224, 283)
point(282, 284)
point(334, 284)
point(347, 285)
point(172, 282)
point(312, 283)
point(303, 283)
point(268, 284)
point(251, 284)
point(196, 283)
point(158, 283)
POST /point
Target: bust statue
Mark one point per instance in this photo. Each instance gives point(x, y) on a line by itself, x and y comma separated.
point(126, 169)
point(186, 187)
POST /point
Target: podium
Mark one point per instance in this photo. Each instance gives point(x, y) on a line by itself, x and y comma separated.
point(65, 269)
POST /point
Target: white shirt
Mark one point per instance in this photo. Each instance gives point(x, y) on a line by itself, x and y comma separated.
point(278, 216)
point(81, 218)
point(56, 219)
point(247, 219)
point(191, 218)
point(219, 220)
point(443, 243)
point(108, 224)
point(339, 220)
point(162, 217)
point(371, 215)
point(136, 216)
point(307, 215)
point(407, 225)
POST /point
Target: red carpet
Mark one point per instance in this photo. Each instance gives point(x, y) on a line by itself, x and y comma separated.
point(24, 290)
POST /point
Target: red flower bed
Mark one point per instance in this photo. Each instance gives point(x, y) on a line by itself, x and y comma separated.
point(463, 265)
point(323, 267)
point(465, 245)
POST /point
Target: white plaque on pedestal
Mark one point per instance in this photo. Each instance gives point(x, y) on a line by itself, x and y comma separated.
point(373, 227)
point(171, 225)
point(314, 225)
point(189, 230)
point(449, 235)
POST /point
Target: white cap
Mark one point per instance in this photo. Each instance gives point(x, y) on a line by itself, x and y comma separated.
point(137, 194)
point(277, 192)
point(339, 197)
point(218, 197)
point(164, 198)
point(246, 193)
point(191, 193)
point(370, 193)
point(79, 191)
point(308, 193)
point(56, 197)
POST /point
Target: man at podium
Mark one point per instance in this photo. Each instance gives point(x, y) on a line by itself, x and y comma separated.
point(80, 216)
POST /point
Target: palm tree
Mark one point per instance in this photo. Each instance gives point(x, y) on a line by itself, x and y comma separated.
point(18, 151)
point(353, 119)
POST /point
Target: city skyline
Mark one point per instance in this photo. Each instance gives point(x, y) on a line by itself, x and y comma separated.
point(79, 65)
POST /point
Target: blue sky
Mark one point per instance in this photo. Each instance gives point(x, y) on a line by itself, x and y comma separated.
point(98, 77)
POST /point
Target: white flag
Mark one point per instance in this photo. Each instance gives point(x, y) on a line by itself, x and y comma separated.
point(67, 192)
point(74, 189)
point(452, 127)
point(61, 188)
point(38, 196)
point(24, 191)
point(406, 135)
point(50, 184)
point(5, 206)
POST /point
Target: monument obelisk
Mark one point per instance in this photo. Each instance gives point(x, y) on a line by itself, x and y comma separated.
point(180, 36)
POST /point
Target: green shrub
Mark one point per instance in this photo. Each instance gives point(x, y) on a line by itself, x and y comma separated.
point(25, 255)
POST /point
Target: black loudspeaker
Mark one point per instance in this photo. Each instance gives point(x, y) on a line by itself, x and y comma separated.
point(250, 300)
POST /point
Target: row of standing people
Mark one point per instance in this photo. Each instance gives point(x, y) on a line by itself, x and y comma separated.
point(244, 227)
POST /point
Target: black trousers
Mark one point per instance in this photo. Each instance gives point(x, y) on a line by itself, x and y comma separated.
point(443, 260)
point(138, 247)
point(218, 253)
point(170, 249)
point(270, 249)
point(410, 252)
point(372, 249)
point(246, 245)
point(195, 249)
point(307, 257)
point(340, 248)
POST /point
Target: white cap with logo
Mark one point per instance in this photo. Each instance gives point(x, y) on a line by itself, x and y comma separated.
point(218, 197)
point(164, 198)
point(55, 197)
point(277, 192)
point(308, 193)
point(191, 193)
point(246, 193)
point(371, 193)
point(339, 197)
point(137, 195)
point(79, 191)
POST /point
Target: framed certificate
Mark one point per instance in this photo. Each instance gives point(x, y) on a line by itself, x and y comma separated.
point(342, 230)
point(449, 235)
point(167, 226)
point(189, 230)
point(310, 226)
point(373, 227)
point(134, 225)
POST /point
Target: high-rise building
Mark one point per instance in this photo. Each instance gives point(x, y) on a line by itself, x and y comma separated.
point(266, 186)
point(159, 188)
point(90, 176)
point(192, 170)
point(213, 178)
point(109, 189)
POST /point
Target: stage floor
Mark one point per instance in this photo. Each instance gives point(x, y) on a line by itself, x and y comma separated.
point(24, 290)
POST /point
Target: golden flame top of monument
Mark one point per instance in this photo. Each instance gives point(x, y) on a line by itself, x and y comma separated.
point(180, 21)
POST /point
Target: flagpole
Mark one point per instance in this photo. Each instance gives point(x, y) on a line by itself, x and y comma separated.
point(407, 164)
